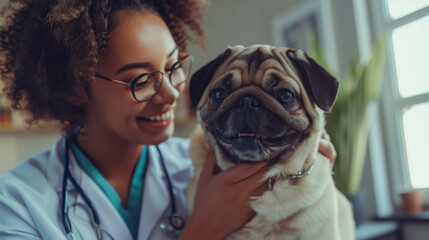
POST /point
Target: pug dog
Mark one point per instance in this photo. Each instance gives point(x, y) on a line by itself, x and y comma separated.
point(265, 103)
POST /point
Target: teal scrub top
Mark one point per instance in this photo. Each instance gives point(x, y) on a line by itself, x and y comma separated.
point(130, 215)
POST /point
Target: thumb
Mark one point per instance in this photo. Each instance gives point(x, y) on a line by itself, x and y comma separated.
point(209, 169)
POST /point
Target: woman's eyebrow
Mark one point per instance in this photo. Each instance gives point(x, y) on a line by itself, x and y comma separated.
point(141, 64)
point(131, 66)
point(172, 52)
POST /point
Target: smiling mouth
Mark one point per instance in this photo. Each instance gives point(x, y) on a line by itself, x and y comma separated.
point(156, 118)
point(251, 146)
point(247, 132)
point(248, 135)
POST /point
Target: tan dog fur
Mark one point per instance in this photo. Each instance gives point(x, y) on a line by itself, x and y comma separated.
point(306, 208)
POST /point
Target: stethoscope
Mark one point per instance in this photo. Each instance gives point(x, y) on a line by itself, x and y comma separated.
point(171, 226)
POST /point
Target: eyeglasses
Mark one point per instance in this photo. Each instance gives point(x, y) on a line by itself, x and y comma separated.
point(145, 86)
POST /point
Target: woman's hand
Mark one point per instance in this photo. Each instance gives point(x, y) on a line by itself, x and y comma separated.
point(327, 148)
point(221, 203)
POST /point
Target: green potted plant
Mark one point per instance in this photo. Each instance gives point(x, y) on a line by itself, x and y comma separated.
point(347, 123)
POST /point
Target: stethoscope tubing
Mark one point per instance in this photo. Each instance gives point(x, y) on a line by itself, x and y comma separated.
point(64, 212)
point(175, 220)
point(65, 219)
point(170, 187)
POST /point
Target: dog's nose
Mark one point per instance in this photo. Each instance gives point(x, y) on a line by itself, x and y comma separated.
point(248, 102)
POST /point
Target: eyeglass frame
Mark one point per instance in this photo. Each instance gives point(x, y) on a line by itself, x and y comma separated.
point(132, 83)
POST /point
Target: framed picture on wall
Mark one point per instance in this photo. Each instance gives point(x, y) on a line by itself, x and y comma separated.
point(297, 27)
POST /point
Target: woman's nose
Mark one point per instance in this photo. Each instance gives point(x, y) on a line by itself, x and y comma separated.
point(167, 92)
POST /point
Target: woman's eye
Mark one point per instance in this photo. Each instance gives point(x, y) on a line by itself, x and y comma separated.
point(141, 84)
point(219, 95)
point(142, 81)
point(175, 66)
point(285, 97)
point(169, 70)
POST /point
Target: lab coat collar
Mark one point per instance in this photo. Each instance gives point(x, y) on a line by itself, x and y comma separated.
point(55, 168)
point(111, 222)
point(155, 199)
point(174, 163)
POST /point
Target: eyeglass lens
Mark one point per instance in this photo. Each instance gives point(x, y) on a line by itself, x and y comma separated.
point(147, 85)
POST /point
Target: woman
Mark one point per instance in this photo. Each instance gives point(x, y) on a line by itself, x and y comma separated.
point(111, 72)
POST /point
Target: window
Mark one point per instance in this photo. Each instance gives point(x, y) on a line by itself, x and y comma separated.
point(405, 97)
point(400, 8)
point(415, 129)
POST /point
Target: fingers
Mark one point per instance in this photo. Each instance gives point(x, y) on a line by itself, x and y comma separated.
point(245, 176)
point(243, 172)
point(325, 135)
point(260, 189)
point(328, 150)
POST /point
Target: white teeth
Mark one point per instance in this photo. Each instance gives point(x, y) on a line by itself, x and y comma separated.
point(246, 135)
point(158, 118)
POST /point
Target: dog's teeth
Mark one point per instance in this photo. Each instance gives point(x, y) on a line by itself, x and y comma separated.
point(246, 134)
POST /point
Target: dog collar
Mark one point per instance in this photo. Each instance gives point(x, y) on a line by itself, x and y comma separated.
point(300, 174)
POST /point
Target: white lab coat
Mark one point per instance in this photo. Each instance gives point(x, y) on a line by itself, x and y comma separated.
point(30, 197)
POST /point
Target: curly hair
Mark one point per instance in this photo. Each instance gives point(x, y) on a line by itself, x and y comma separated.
point(49, 49)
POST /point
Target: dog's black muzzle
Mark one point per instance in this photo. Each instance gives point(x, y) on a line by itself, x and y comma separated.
point(250, 132)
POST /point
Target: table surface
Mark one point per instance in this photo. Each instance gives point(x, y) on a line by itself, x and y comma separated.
point(400, 216)
point(374, 229)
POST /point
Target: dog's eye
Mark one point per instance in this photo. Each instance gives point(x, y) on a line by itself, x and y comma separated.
point(219, 95)
point(285, 97)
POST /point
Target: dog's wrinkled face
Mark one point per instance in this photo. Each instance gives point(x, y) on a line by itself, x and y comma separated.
point(259, 102)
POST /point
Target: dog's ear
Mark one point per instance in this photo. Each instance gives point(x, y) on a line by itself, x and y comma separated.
point(201, 78)
point(321, 86)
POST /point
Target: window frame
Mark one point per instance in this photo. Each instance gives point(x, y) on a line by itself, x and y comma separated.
point(391, 103)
